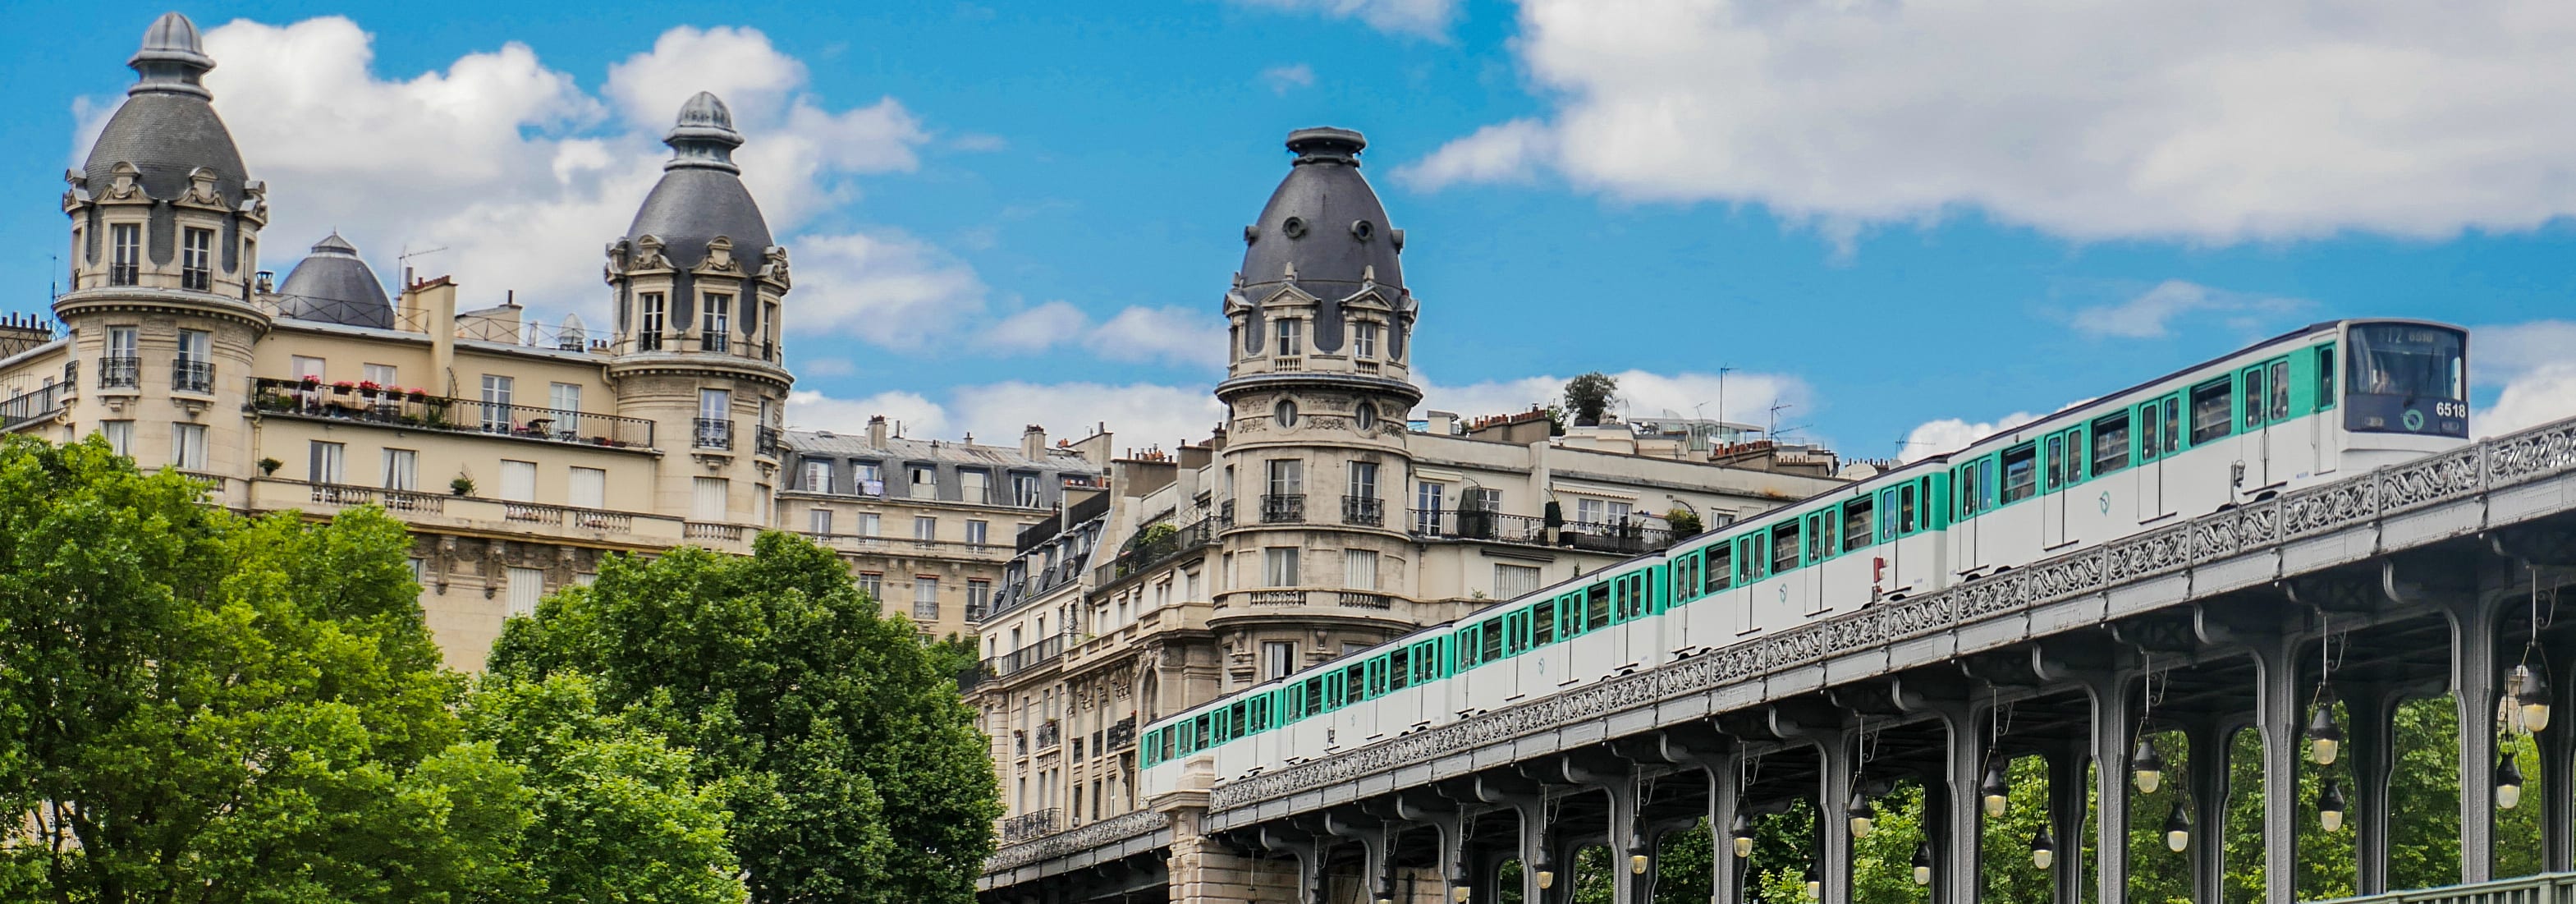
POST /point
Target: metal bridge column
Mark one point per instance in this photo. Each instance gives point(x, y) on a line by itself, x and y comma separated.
point(2209, 736)
point(2372, 709)
point(1626, 837)
point(1724, 793)
point(2111, 718)
point(2278, 722)
point(2473, 619)
point(1833, 797)
point(2558, 772)
point(1958, 874)
point(2066, 793)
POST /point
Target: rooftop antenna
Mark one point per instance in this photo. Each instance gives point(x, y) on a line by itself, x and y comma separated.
point(1772, 432)
point(405, 258)
point(1721, 392)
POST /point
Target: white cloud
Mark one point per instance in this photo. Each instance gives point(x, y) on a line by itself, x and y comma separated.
point(2151, 313)
point(811, 410)
point(885, 287)
point(1748, 397)
point(508, 164)
point(1173, 335)
point(2535, 397)
point(1038, 328)
point(2090, 120)
point(1424, 18)
point(2530, 362)
point(1283, 79)
point(1949, 435)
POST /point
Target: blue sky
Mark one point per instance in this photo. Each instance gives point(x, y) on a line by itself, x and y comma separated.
point(1903, 220)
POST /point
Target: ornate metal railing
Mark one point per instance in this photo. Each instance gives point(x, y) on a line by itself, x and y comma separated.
point(422, 411)
point(192, 376)
point(120, 372)
point(1099, 834)
point(1050, 733)
point(1142, 554)
point(2394, 489)
point(42, 403)
point(1029, 825)
point(1631, 536)
point(1027, 657)
point(1120, 735)
point(711, 433)
point(1365, 511)
point(1283, 508)
point(765, 441)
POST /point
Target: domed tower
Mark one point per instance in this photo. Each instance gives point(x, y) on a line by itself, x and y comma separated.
point(1317, 399)
point(165, 242)
point(333, 285)
point(698, 286)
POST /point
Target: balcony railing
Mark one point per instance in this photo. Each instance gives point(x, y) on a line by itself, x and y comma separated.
point(1147, 549)
point(1632, 536)
point(765, 441)
point(1121, 735)
point(392, 500)
point(1364, 511)
point(120, 372)
point(192, 376)
point(1029, 825)
point(1362, 599)
point(703, 530)
point(421, 411)
point(1276, 597)
point(42, 403)
point(719, 344)
point(1025, 658)
point(711, 433)
point(1283, 508)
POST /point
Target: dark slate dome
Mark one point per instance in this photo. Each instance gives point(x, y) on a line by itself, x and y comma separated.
point(701, 196)
point(334, 285)
point(166, 128)
point(1340, 233)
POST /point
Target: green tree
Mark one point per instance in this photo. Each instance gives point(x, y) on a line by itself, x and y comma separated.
point(243, 711)
point(853, 770)
point(617, 813)
point(1590, 396)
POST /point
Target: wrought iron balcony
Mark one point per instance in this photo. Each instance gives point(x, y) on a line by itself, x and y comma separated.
point(421, 411)
point(120, 372)
point(1365, 511)
point(1283, 508)
point(1029, 825)
point(765, 441)
point(711, 433)
point(1121, 735)
point(192, 376)
point(1024, 658)
point(44, 402)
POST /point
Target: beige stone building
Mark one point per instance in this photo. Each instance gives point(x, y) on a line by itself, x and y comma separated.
point(519, 452)
point(1318, 521)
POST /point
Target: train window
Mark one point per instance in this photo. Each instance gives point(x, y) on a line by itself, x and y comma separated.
point(1819, 530)
point(1491, 642)
point(1721, 568)
point(1686, 576)
point(2209, 414)
point(1355, 684)
point(1784, 547)
point(2280, 383)
point(1906, 522)
point(2150, 430)
point(2325, 377)
point(1856, 523)
point(1543, 623)
point(2173, 423)
point(1596, 607)
point(2110, 443)
point(1337, 690)
point(1470, 644)
point(2021, 472)
point(1399, 669)
point(1256, 715)
point(2055, 452)
point(2252, 404)
point(2405, 360)
point(1426, 661)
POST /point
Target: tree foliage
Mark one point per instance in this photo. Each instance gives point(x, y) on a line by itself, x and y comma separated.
point(853, 770)
point(1590, 396)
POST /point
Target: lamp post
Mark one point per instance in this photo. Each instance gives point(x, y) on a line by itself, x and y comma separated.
point(2147, 765)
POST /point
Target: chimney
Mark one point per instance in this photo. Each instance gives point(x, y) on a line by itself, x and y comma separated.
point(877, 432)
point(1033, 443)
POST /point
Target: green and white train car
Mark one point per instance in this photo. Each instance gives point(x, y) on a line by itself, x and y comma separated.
point(2332, 399)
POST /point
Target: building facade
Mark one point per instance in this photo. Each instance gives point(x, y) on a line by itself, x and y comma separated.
point(519, 452)
point(1316, 521)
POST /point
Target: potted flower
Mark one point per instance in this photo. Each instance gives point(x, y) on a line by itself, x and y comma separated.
point(462, 485)
point(368, 388)
point(268, 467)
point(312, 380)
point(342, 387)
point(419, 395)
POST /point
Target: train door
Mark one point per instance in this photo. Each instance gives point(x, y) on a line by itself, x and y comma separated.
point(1752, 552)
point(2052, 483)
point(2264, 397)
point(1817, 534)
point(2160, 429)
point(2253, 447)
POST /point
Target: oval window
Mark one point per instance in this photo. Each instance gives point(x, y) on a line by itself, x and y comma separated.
point(1367, 417)
point(1363, 230)
point(1295, 227)
point(1285, 413)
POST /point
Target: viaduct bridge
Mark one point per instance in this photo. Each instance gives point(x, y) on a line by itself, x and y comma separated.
point(2432, 577)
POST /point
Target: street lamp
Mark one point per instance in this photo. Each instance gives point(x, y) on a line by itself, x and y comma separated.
point(1546, 869)
point(1860, 813)
point(2508, 782)
point(1743, 832)
point(1815, 884)
point(2330, 806)
point(1997, 795)
point(2043, 849)
point(2531, 695)
point(2325, 737)
point(2178, 827)
point(2147, 764)
point(1923, 863)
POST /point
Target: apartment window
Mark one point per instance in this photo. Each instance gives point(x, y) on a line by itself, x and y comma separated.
point(1364, 340)
point(715, 325)
point(496, 403)
point(120, 369)
point(708, 502)
point(1482, 499)
point(564, 399)
point(305, 368)
point(925, 529)
point(120, 436)
point(1427, 500)
point(420, 571)
point(1278, 659)
point(518, 481)
point(527, 586)
point(979, 597)
point(589, 488)
point(1514, 581)
point(402, 469)
point(1024, 490)
point(649, 336)
point(1291, 337)
point(188, 446)
point(819, 522)
point(327, 463)
point(1591, 511)
point(715, 419)
point(125, 262)
point(976, 486)
point(1279, 566)
point(977, 531)
point(925, 482)
point(1287, 477)
point(382, 375)
point(196, 259)
point(872, 584)
point(925, 598)
point(194, 371)
point(1190, 586)
point(868, 526)
point(818, 476)
point(1359, 569)
point(1364, 479)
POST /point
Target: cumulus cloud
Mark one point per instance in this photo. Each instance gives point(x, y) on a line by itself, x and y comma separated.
point(1170, 335)
point(2088, 120)
point(507, 164)
point(1423, 18)
point(1952, 434)
point(883, 286)
point(2529, 363)
point(1644, 395)
point(1283, 79)
point(2150, 314)
point(1140, 414)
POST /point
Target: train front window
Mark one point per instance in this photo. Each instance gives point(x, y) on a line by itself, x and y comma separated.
point(2407, 360)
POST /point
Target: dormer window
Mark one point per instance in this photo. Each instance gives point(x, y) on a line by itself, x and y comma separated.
point(718, 322)
point(649, 337)
point(1291, 337)
point(1364, 340)
point(196, 259)
point(125, 261)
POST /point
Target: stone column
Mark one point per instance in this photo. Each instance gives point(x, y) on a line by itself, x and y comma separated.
point(2279, 717)
point(2372, 743)
point(2066, 792)
point(2558, 769)
point(2208, 782)
point(2111, 743)
point(1206, 872)
point(2473, 682)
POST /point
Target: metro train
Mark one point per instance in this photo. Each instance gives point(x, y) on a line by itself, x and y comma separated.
point(2312, 405)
